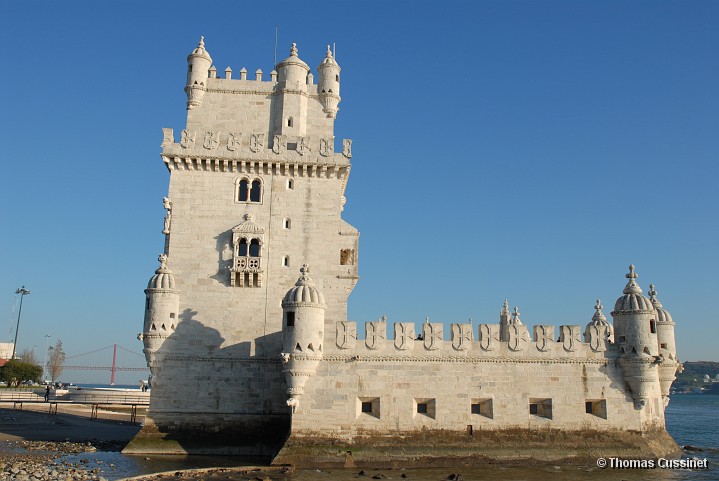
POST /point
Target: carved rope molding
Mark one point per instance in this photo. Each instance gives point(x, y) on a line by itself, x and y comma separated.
point(270, 91)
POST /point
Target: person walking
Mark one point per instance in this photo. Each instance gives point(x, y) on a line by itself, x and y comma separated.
point(47, 393)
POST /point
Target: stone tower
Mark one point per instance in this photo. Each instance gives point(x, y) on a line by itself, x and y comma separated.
point(256, 190)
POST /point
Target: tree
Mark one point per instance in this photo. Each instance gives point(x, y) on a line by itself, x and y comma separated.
point(55, 361)
point(16, 371)
point(28, 355)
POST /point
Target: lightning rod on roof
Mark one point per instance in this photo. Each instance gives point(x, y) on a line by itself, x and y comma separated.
point(276, 30)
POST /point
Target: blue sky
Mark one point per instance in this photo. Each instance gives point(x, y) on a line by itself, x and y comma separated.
point(502, 149)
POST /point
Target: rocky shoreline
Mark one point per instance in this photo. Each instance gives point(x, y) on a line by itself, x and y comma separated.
point(41, 461)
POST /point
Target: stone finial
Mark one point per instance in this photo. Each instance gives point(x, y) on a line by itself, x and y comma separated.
point(383, 318)
point(598, 315)
point(329, 52)
point(202, 42)
point(162, 258)
point(653, 296)
point(293, 50)
point(632, 274)
point(632, 287)
point(505, 307)
point(305, 279)
point(426, 320)
point(515, 314)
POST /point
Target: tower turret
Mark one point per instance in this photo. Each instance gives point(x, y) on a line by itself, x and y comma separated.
point(599, 331)
point(161, 307)
point(667, 345)
point(303, 327)
point(198, 64)
point(504, 318)
point(329, 84)
point(635, 332)
point(290, 111)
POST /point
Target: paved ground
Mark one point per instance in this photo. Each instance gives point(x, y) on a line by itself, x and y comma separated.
point(72, 423)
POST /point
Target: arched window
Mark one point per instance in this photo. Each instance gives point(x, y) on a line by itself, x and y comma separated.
point(254, 248)
point(256, 193)
point(243, 190)
point(243, 248)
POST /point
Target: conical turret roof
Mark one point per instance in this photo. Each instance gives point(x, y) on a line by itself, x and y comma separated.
point(304, 291)
point(200, 51)
point(632, 300)
point(163, 278)
point(662, 314)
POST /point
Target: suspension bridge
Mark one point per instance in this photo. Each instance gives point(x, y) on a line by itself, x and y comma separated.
point(113, 358)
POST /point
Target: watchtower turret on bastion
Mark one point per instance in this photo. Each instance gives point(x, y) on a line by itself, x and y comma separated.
point(248, 359)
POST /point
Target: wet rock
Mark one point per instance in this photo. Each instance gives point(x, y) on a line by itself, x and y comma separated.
point(689, 447)
point(455, 477)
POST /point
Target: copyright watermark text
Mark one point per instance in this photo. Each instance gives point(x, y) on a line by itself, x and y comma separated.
point(661, 463)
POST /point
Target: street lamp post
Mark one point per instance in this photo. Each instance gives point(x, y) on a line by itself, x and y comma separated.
point(23, 292)
point(44, 365)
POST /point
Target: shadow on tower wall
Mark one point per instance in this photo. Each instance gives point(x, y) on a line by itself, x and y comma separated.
point(209, 399)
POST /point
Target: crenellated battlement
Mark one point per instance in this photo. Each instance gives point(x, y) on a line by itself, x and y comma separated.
point(432, 341)
point(257, 84)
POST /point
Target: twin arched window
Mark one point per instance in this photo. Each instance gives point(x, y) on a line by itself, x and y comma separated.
point(254, 248)
point(249, 191)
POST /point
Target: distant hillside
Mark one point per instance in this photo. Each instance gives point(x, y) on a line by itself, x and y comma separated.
point(693, 375)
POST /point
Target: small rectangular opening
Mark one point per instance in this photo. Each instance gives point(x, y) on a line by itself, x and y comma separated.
point(425, 407)
point(291, 145)
point(663, 345)
point(540, 407)
point(596, 407)
point(368, 407)
point(290, 319)
point(482, 407)
point(653, 326)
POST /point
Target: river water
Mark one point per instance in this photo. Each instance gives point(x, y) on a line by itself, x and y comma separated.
point(691, 419)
